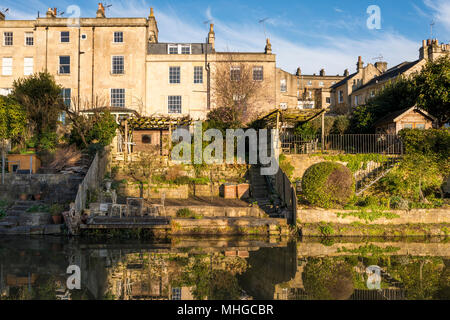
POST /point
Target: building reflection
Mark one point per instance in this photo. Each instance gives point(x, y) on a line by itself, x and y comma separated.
point(293, 270)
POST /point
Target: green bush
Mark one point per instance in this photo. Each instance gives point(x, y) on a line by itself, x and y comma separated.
point(48, 141)
point(56, 209)
point(286, 166)
point(328, 184)
point(188, 213)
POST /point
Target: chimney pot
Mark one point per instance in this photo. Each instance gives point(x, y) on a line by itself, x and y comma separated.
point(322, 72)
point(268, 47)
point(101, 11)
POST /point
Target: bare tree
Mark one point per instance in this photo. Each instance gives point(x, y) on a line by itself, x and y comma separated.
point(80, 123)
point(238, 88)
point(142, 170)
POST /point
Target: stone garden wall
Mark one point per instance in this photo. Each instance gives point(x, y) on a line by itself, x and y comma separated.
point(57, 187)
point(417, 216)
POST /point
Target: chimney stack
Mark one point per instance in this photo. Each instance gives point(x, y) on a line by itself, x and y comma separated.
point(152, 28)
point(212, 37)
point(299, 72)
point(101, 11)
point(322, 72)
point(359, 64)
point(382, 66)
point(51, 13)
point(268, 49)
point(346, 73)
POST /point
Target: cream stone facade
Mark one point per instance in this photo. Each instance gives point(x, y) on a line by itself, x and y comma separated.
point(301, 91)
point(80, 58)
point(341, 91)
point(118, 62)
point(430, 51)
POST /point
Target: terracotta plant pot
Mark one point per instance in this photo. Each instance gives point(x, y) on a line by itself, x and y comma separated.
point(23, 197)
point(57, 219)
point(37, 197)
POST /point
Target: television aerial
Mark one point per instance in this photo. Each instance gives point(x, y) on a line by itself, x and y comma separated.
point(380, 58)
point(263, 22)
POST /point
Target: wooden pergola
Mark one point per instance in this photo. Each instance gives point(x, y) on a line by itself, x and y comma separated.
point(157, 123)
point(281, 119)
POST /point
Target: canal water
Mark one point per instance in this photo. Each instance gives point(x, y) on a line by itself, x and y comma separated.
point(228, 268)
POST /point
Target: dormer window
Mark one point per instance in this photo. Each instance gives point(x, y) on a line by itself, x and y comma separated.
point(179, 49)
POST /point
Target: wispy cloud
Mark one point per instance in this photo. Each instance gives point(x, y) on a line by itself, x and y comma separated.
point(334, 53)
point(441, 11)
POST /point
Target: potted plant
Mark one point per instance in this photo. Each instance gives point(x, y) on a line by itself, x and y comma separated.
point(57, 218)
point(38, 196)
point(23, 196)
point(56, 211)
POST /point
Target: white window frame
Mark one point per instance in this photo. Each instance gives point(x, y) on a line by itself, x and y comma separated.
point(232, 73)
point(184, 46)
point(4, 38)
point(198, 77)
point(64, 96)
point(172, 46)
point(170, 75)
point(309, 83)
point(174, 104)
point(283, 85)
point(61, 37)
point(7, 66)
point(258, 70)
point(115, 95)
point(28, 68)
point(27, 36)
point(340, 96)
point(114, 37)
point(112, 65)
point(59, 64)
point(5, 91)
point(178, 48)
point(321, 84)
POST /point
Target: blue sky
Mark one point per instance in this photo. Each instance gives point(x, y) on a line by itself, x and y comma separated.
point(312, 35)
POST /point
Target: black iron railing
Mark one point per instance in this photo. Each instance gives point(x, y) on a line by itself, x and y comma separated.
point(347, 143)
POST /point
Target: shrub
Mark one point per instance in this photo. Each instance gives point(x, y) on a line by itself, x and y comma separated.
point(56, 209)
point(188, 213)
point(286, 166)
point(328, 184)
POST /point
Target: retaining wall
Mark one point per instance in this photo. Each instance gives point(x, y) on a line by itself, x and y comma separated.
point(417, 216)
point(57, 187)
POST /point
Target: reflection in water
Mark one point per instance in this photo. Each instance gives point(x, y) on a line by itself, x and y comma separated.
point(187, 269)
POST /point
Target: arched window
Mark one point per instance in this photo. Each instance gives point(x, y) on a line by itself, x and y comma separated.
point(146, 139)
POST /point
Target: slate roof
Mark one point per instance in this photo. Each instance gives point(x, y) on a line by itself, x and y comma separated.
point(392, 116)
point(390, 74)
point(340, 83)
